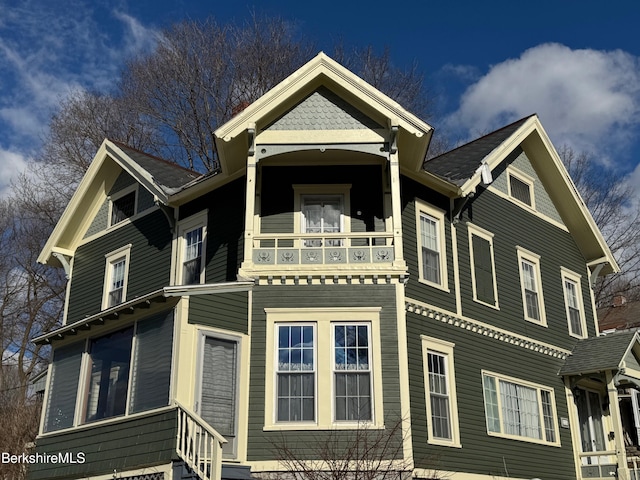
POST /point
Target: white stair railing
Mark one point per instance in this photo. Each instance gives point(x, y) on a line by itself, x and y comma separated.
point(199, 445)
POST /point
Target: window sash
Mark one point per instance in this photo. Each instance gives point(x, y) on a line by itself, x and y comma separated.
point(439, 395)
point(520, 190)
point(430, 246)
point(483, 269)
point(322, 214)
point(123, 207)
point(116, 284)
point(573, 307)
point(295, 373)
point(352, 372)
point(192, 264)
point(530, 286)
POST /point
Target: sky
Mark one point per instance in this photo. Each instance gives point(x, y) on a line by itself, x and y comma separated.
point(574, 63)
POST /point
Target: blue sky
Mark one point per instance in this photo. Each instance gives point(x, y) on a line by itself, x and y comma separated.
point(575, 63)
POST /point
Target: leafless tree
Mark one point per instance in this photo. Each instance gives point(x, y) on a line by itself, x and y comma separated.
point(611, 202)
point(362, 453)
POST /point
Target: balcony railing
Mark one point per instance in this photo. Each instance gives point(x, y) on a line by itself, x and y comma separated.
point(323, 249)
point(199, 445)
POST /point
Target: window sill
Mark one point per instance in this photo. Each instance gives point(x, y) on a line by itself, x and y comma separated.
point(444, 443)
point(494, 306)
point(313, 426)
point(540, 323)
point(434, 285)
point(524, 439)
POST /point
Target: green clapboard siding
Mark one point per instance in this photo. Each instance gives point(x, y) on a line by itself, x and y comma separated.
point(435, 296)
point(229, 311)
point(149, 268)
point(136, 443)
point(481, 453)
point(513, 226)
point(225, 229)
point(264, 445)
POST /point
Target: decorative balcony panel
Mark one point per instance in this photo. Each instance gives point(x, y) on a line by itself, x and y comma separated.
point(326, 249)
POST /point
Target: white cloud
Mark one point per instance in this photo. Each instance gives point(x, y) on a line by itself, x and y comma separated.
point(589, 99)
point(11, 165)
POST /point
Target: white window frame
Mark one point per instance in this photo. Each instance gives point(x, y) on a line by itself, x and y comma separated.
point(324, 319)
point(115, 197)
point(488, 236)
point(438, 216)
point(575, 279)
point(444, 349)
point(318, 190)
point(185, 226)
point(524, 178)
point(541, 417)
point(533, 259)
point(122, 253)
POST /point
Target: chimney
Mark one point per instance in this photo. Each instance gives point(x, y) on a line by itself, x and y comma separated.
point(619, 300)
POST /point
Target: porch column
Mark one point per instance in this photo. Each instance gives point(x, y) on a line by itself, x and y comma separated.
point(396, 212)
point(616, 422)
point(250, 203)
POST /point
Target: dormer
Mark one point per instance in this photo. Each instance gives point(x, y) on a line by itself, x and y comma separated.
point(322, 152)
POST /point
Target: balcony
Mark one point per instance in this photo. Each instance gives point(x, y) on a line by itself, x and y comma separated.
point(318, 251)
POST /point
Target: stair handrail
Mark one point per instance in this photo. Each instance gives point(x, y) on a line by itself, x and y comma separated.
point(198, 444)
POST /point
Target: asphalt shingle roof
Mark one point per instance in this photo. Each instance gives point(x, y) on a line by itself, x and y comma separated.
point(458, 165)
point(167, 175)
point(597, 354)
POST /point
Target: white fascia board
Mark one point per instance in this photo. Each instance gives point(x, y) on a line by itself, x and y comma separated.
point(136, 171)
point(208, 288)
point(320, 66)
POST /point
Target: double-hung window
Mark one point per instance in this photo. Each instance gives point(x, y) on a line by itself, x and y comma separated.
point(572, 288)
point(192, 233)
point(431, 245)
point(440, 390)
point(296, 373)
point(519, 410)
point(325, 363)
point(531, 286)
point(352, 371)
point(115, 277)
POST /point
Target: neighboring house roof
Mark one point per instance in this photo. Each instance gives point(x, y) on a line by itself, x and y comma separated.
point(460, 164)
point(621, 315)
point(597, 354)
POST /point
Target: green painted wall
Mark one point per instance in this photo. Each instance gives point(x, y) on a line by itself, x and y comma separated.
point(481, 453)
point(149, 269)
point(263, 445)
point(229, 311)
point(513, 226)
point(131, 444)
point(434, 296)
point(277, 195)
point(225, 229)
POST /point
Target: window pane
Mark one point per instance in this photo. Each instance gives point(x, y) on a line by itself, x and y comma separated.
point(192, 265)
point(296, 388)
point(520, 413)
point(547, 412)
point(491, 404)
point(439, 396)
point(352, 381)
point(116, 288)
point(63, 387)
point(530, 286)
point(483, 269)
point(520, 190)
point(353, 396)
point(152, 366)
point(109, 375)
point(430, 249)
point(123, 208)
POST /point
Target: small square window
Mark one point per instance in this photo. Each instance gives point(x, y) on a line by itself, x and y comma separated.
point(520, 187)
point(123, 207)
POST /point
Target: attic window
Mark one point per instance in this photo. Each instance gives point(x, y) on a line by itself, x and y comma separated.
point(521, 188)
point(123, 207)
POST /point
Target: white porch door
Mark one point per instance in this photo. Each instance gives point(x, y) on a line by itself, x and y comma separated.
point(218, 389)
point(591, 428)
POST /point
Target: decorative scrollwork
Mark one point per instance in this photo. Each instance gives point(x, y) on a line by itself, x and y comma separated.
point(335, 256)
point(264, 257)
point(359, 256)
point(383, 255)
point(312, 257)
point(287, 257)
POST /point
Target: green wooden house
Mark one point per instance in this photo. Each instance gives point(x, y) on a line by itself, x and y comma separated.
point(327, 284)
